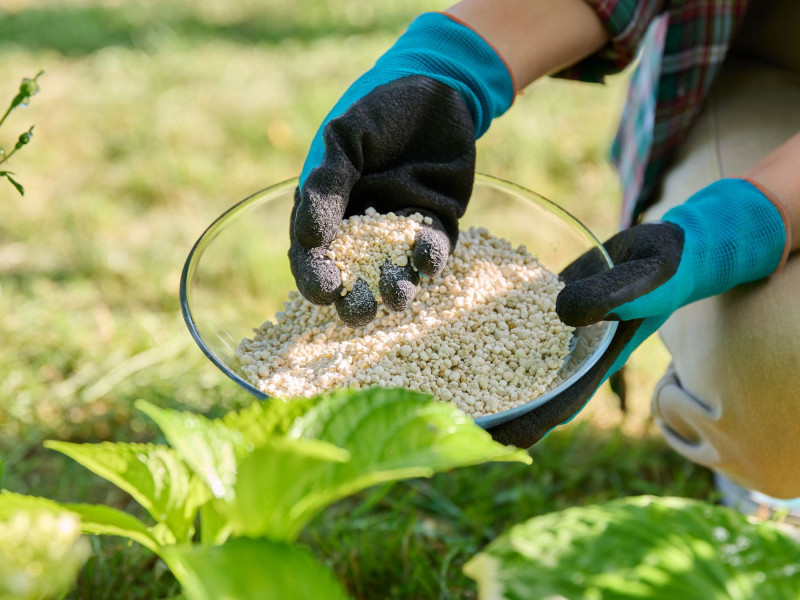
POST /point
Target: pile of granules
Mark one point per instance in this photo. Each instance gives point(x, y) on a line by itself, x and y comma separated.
point(484, 335)
point(364, 242)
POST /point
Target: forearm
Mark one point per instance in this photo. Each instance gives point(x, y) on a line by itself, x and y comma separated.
point(779, 173)
point(535, 37)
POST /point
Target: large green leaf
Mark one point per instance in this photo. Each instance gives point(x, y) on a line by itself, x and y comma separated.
point(273, 482)
point(263, 420)
point(208, 447)
point(154, 475)
point(642, 547)
point(257, 423)
point(390, 434)
point(214, 527)
point(95, 519)
point(254, 486)
point(391, 431)
point(11, 502)
point(396, 429)
point(212, 447)
point(273, 469)
point(251, 569)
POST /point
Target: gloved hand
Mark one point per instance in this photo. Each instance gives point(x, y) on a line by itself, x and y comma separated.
point(730, 232)
point(401, 139)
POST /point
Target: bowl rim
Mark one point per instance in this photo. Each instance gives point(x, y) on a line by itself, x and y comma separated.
point(486, 421)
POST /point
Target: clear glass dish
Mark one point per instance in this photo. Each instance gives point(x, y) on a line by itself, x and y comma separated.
point(237, 274)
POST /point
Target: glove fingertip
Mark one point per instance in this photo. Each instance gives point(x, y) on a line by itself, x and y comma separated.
point(317, 278)
point(578, 307)
point(431, 250)
point(358, 307)
point(315, 222)
point(320, 204)
point(398, 286)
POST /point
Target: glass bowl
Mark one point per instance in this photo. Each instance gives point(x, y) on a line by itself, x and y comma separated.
point(237, 274)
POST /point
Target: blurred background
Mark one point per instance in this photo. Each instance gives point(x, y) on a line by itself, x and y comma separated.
point(156, 116)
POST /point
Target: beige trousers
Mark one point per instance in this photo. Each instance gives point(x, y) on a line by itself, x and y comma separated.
point(731, 397)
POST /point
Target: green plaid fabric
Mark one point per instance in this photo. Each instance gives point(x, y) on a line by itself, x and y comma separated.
point(681, 44)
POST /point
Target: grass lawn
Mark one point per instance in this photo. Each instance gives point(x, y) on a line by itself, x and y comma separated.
point(154, 117)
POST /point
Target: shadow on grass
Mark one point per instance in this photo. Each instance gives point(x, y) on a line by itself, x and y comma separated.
point(81, 30)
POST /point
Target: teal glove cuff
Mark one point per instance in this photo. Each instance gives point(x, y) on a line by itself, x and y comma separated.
point(734, 234)
point(439, 47)
point(436, 46)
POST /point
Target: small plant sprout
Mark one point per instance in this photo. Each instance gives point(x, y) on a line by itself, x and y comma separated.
point(27, 89)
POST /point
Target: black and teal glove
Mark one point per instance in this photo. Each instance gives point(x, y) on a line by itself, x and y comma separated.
point(401, 139)
point(726, 234)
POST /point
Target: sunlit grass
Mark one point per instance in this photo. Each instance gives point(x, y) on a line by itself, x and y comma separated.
point(154, 118)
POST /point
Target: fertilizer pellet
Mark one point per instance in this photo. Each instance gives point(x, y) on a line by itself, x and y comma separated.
point(484, 334)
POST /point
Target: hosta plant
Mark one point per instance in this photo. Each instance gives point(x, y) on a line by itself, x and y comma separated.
point(255, 478)
point(637, 548)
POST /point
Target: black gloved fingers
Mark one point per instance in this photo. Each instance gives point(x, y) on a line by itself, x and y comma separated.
point(358, 307)
point(645, 256)
point(591, 262)
point(591, 300)
point(398, 285)
point(432, 244)
point(321, 204)
point(431, 250)
point(317, 278)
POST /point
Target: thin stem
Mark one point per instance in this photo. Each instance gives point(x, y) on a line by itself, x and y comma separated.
point(8, 112)
point(7, 156)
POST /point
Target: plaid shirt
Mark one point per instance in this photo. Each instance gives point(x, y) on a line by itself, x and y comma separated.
point(682, 44)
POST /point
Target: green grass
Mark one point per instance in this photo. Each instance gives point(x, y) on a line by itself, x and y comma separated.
point(153, 119)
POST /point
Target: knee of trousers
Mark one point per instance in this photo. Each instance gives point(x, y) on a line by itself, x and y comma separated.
point(731, 397)
point(752, 457)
